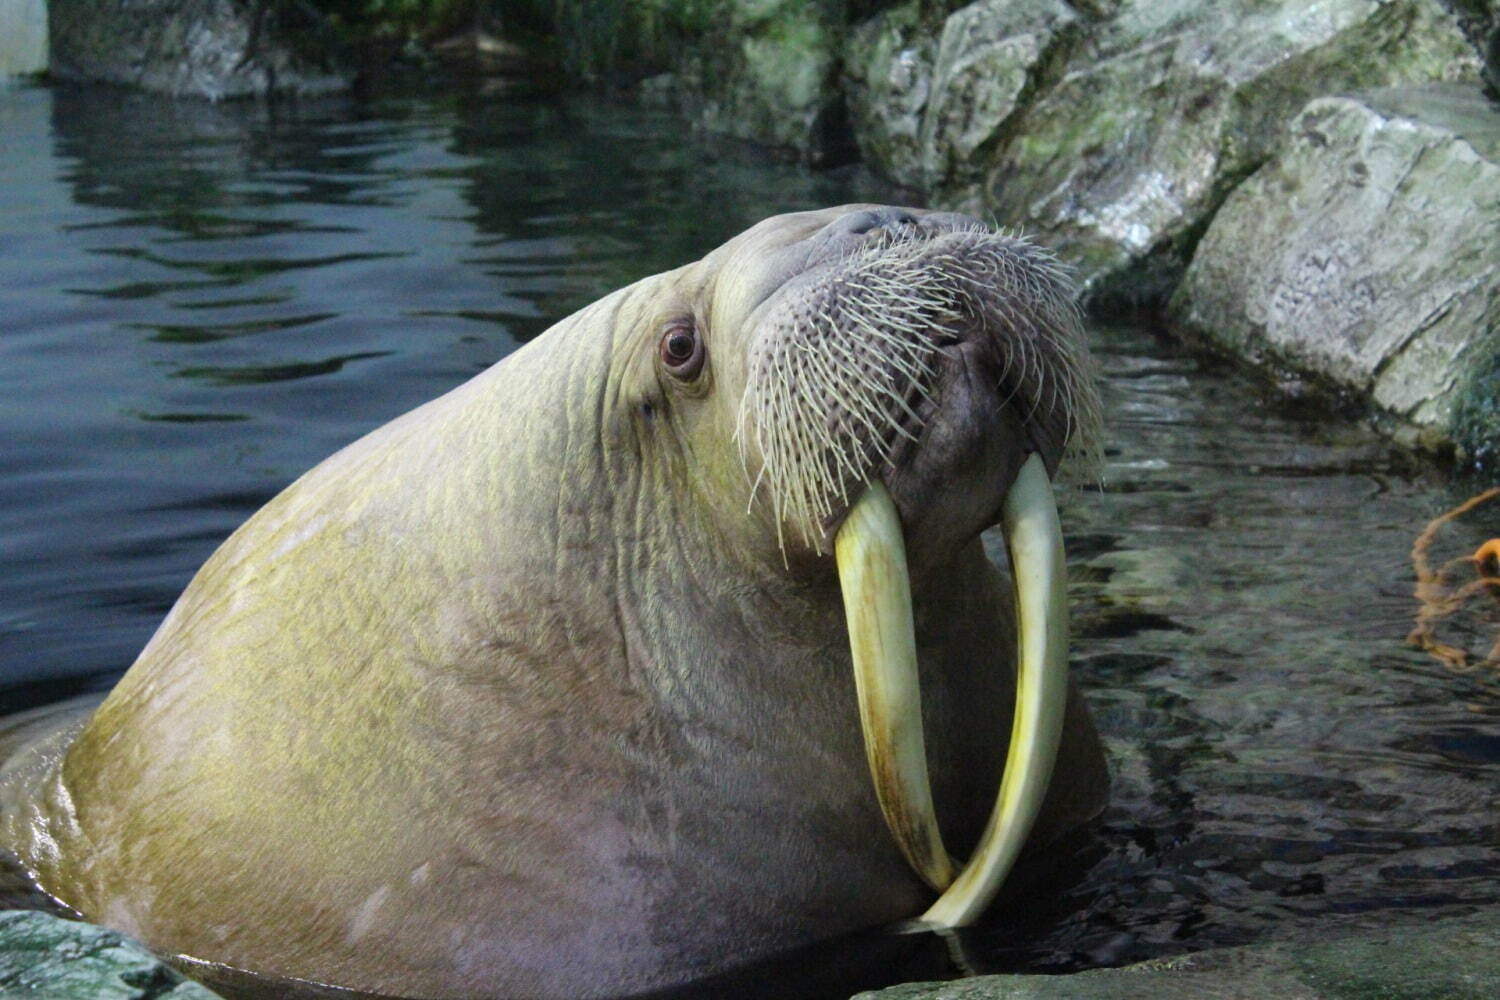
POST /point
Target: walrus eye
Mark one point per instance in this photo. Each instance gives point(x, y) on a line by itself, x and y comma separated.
point(682, 349)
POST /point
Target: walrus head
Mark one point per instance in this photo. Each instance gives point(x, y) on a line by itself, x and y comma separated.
point(896, 379)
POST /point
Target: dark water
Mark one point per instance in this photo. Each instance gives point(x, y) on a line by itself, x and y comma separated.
point(198, 303)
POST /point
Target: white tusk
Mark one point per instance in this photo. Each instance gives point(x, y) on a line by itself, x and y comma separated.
point(1038, 567)
point(877, 605)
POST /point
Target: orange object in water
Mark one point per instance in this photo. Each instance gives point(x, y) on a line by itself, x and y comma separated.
point(1438, 595)
point(1487, 558)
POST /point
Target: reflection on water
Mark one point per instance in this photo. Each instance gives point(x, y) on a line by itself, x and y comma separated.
point(1242, 591)
point(200, 302)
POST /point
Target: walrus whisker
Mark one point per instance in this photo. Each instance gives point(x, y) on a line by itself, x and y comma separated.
point(863, 349)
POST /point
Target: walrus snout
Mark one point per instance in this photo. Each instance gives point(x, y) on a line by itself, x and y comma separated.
point(862, 226)
point(899, 354)
point(864, 220)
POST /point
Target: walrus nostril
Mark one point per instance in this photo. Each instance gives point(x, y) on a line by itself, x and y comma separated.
point(867, 220)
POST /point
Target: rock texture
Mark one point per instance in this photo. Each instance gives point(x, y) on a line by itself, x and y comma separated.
point(1366, 253)
point(1480, 20)
point(1171, 103)
point(1113, 131)
point(766, 71)
point(933, 102)
point(1454, 960)
point(23, 37)
point(45, 958)
point(193, 48)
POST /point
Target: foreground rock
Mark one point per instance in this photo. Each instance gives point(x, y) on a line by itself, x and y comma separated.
point(44, 958)
point(1454, 960)
point(1367, 253)
point(194, 48)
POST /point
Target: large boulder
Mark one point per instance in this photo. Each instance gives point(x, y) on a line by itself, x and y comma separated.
point(194, 48)
point(765, 71)
point(23, 37)
point(888, 76)
point(1367, 254)
point(1170, 103)
point(932, 101)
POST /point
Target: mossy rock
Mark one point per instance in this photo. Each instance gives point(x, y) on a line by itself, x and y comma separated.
point(1476, 407)
point(45, 958)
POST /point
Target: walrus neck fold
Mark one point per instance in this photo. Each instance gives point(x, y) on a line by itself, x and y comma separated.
point(877, 602)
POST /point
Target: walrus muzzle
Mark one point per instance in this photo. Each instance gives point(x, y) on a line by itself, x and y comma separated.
point(832, 413)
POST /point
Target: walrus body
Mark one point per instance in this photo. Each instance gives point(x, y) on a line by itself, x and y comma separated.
point(534, 691)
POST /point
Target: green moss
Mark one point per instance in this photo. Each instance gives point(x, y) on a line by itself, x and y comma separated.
point(1476, 410)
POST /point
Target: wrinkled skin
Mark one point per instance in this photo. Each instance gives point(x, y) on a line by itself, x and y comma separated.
point(519, 695)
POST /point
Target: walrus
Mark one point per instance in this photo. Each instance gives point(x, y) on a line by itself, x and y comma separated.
point(573, 681)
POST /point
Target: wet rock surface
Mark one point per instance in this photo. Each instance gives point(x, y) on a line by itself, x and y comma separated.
point(47, 958)
point(1454, 959)
point(210, 49)
point(1365, 252)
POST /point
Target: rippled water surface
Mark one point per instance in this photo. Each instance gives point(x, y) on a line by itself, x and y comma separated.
point(197, 303)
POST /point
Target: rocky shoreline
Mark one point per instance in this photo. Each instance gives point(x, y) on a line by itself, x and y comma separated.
point(1155, 146)
point(1314, 188)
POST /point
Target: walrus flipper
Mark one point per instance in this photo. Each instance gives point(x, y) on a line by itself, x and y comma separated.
point(32, 745)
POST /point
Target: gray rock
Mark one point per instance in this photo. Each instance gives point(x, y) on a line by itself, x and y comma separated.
point(1476, 406)
point(766, 71)
point(46, 958)
point(1454, 960)
point(23, 37)
point(990, 55)
point(1480, 21)
point(931, 106)
point(1366, 253)
point(1170, 103)
point(888, 68)
point(193, 48)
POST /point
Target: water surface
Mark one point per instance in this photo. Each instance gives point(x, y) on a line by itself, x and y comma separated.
point(197, 303)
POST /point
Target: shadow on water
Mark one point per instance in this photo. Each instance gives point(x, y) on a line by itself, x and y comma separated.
point(828, 970)
point(202, 301)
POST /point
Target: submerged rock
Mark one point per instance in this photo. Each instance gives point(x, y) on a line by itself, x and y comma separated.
point(1367, 253)
point(1170, 104)
point(1454, 960)
point(46, 958)
point(194, 48)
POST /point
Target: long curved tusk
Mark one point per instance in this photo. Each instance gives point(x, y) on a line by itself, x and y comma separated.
point(871, 560)
point(1038, 566)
